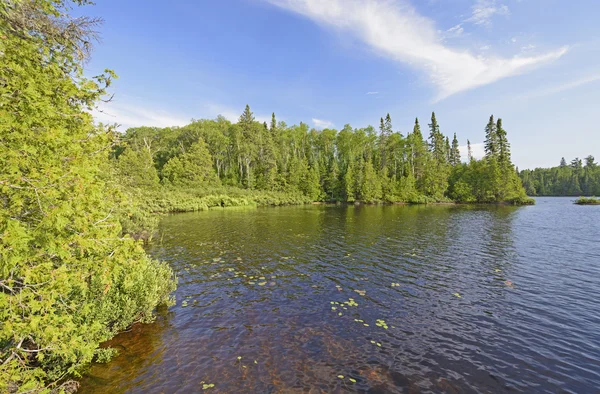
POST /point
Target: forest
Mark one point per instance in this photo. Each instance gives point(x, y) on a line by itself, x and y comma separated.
point(577, 178)
point(169, 167)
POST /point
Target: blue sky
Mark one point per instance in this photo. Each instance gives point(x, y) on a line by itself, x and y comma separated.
point(535, 63)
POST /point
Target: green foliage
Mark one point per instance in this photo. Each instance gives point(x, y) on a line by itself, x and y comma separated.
point(68, 279)
point(192, 168)
point(321, 165)
point(575, 179)
point(587, 201)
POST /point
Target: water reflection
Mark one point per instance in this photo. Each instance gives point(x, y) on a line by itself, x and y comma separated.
point(292, 300)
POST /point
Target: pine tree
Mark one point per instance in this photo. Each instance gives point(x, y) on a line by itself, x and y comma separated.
point(388, 125)
point(469, 151)
point(503, 147)
point(455, 152)
point(563, 163)
point(273, 123)
point(437, 173)
point(246, 118)
point(491, 139)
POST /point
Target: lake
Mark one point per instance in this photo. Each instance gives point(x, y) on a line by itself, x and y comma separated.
point(377, 299)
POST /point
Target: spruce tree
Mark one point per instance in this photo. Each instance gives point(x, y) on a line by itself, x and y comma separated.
point(563, 163)
point(246, 118)
point(388, 125)
point(469, 151)
point(455, 152)
point(491, 139)
point(273, 123)
point(503, 145)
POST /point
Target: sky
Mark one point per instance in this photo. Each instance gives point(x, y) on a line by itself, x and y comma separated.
point(327, 63)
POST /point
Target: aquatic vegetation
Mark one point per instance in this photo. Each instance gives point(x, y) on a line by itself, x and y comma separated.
point(381, 323)
point(361, 292)
point(457, 295)
point(206, 386)
point(395, 284)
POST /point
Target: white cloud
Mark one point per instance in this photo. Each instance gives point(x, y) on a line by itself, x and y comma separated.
point(322, 124)
point(455, 31)
point(484, 10)
point(477, 149)
point(563, 87)
point(371, 93)
point(397, 31)
point(527, 48)
point(135, 114)
point(132, 115)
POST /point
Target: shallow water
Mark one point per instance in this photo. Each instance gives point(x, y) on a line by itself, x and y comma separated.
point(485, 299)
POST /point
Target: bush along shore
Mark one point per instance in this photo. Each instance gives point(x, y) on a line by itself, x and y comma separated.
point(587, 201)
point(69, 279)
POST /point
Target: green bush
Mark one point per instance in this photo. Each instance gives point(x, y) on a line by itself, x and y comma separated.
point(68, 279)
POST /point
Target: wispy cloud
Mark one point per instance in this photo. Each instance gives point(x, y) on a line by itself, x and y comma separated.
point(397, 31)
point(133, 115)
point(322, 124)
point(372, 93)
point(484, 10)
point(562, 87)
point(455, 31)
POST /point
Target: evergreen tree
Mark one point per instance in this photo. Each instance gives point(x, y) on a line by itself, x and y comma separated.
point(455, 152)
point(503, 146)
point(469, 151)
point(491, 139)
point(246, 118)
point(563, 163)
point(273, 127)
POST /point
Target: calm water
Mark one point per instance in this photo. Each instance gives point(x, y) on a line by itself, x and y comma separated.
point(485, 299)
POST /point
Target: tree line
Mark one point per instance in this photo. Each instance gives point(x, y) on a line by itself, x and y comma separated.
point(577, 178)
point(347, 165)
